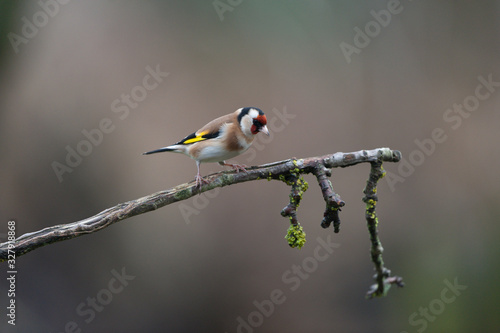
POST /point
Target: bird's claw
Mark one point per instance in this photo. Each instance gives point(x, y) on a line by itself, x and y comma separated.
point(200, 181)
point(237, 167)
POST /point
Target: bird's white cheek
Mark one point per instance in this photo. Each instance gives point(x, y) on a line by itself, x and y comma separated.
point(246, 126)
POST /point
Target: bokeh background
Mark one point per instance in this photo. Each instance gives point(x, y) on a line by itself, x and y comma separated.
point(201, 265)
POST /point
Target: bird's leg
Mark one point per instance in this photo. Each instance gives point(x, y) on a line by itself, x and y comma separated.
point(199, 179)
point(237, 167)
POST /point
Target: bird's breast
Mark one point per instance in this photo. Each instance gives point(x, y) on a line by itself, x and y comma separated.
point(211, 152)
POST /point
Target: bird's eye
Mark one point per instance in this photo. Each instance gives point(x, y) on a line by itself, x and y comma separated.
point(257, 123)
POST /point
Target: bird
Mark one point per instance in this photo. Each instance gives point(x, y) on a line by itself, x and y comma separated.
point(221, 139)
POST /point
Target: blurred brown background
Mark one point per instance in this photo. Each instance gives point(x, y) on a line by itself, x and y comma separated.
point(64, 67)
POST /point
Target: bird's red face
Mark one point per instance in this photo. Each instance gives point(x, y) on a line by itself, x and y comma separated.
point(259, 125)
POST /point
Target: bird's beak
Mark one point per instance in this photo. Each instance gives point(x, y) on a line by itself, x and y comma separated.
point(264, 130)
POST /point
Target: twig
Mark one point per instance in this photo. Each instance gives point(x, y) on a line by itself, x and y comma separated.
point(383, 275)
point(332, 199)
point(295, 236)
point(288, 171)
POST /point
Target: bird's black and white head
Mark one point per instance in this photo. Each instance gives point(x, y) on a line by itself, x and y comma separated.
point(252, 121)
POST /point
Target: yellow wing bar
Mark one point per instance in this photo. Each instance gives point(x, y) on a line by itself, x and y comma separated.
point(197, 138)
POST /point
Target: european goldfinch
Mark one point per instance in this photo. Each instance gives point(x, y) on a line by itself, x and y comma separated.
point(221, 139)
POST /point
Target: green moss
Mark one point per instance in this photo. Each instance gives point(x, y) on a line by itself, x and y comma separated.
point(303, 184)
point(296, 163)
point(383, 172)
point(295, 236)
point(300, 187)
point(370, 204)
point(227, 179)
point(183, 194)
point(370, 210)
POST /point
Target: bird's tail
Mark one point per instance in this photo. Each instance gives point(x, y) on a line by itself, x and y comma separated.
point(173, 148)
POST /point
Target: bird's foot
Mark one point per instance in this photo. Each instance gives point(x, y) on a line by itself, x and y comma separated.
point(200, 181)
point(237, 167)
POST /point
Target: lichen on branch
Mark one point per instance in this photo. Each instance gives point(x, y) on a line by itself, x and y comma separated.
point(295, 234)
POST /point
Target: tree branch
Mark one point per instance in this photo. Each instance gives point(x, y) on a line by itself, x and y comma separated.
point(288, 171)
